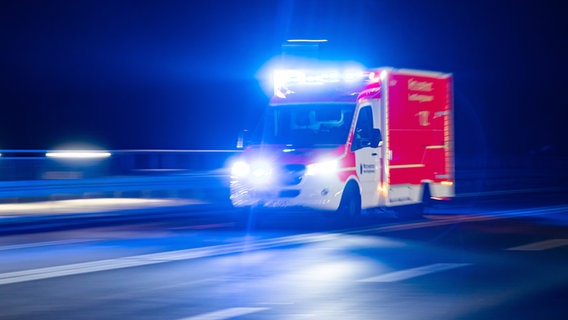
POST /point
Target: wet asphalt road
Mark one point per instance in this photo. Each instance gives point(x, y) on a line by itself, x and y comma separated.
point(494, 258)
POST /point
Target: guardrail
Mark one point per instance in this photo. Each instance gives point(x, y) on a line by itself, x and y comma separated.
point(28, 174)
point(209, 187)
point(25, 165)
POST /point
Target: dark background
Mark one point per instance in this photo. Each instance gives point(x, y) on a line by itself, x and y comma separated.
point(190, 74)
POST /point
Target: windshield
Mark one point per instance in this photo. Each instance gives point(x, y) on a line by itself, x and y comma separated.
point(306, 125)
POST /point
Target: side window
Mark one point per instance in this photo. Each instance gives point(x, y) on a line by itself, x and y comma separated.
point(363, 129)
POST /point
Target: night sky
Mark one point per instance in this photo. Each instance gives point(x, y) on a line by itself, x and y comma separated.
point(189, 74)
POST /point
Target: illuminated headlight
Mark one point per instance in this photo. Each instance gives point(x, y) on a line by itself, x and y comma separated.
point(260, 170)
point(325, 167)
point(257, 172)
point(240, 169)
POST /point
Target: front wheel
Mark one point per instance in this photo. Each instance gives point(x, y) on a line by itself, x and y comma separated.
point(350, 205)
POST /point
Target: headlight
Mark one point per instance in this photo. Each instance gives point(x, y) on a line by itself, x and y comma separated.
point(261, 170)
point(324, 167)
point(258, 172)
point(240, 169)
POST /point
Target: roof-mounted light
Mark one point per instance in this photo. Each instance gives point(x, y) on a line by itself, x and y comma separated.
point(285, 79)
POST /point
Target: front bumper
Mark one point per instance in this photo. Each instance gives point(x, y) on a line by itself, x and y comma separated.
point(314, 192)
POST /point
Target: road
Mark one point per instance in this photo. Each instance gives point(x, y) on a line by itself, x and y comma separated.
point(497, 258)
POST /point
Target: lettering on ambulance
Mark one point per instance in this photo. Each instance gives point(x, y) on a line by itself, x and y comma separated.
point(367, 168)
point(424, 86)
point(421, 86)
point(423, 118)
point(418, 135)
point(420, 97)
point(409, 127)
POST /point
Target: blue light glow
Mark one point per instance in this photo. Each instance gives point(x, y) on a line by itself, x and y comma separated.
point(283, 79)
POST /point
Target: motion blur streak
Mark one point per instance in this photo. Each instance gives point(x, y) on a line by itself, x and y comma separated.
point(225, 314)
point(414, 272)
point(87, 205)
point(542, 245)
point(78, 154)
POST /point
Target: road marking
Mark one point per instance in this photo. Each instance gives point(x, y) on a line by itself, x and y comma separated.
point(70, 269)
point(160, 257)
point(249, 245)
point(414, 272)
point(541, 245)
point(225, 314)
point(44, 244)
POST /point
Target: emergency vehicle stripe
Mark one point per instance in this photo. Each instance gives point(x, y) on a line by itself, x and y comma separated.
point(406, 166)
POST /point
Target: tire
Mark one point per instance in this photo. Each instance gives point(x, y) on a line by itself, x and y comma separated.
point(350, 205)
point(426, 198)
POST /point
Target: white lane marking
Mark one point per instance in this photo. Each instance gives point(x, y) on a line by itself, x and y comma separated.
point(246, 246)
point(70, 269)
point(154, 258)
point(225, 314)
point(44, 244)
point(414, 272)
point(541, 245)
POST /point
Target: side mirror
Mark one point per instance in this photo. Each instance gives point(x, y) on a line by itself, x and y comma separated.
point(376, 138)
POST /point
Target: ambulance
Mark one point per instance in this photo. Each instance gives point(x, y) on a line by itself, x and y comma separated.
point(347, 140)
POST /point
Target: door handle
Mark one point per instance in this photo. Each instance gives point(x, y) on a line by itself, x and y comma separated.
point(374, 154)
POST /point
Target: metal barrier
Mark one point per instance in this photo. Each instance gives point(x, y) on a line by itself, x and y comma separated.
point(30, 174)
point(24, 165)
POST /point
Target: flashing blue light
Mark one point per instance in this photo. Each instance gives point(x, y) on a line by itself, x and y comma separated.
point(283, 79)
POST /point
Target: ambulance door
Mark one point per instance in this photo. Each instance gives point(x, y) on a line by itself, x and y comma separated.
point(366, 157)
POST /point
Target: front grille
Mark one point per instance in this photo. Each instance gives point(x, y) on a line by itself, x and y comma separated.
point(289, 193)
point(291, 174)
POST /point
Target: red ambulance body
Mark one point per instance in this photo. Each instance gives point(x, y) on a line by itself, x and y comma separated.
point(346, 141)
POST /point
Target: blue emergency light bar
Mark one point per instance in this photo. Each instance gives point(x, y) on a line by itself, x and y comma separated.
point(284, 79)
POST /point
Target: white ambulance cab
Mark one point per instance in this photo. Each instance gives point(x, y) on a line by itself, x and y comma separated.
point(345, 141)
